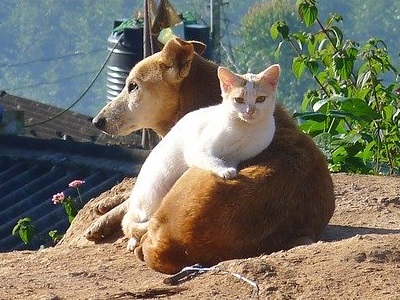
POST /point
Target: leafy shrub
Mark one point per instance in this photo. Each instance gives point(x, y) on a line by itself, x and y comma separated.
point(354, 114)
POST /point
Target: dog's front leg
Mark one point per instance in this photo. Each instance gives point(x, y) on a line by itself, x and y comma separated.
point(108, 224)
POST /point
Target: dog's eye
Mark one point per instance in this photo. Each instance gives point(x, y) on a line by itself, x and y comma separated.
point(132, 86)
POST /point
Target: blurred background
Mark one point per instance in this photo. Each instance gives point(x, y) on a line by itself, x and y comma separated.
point(50, 50)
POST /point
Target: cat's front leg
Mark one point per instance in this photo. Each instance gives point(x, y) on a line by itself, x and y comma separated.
point(226, 173)
point(221, 168)
point(216, 165)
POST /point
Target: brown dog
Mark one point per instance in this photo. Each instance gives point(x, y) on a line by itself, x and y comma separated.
point(281, 198)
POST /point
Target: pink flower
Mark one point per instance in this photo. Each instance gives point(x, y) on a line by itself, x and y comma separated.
point(58, 198)
point(76, 183)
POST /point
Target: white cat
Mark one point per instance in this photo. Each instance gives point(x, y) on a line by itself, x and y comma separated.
point(216, 138)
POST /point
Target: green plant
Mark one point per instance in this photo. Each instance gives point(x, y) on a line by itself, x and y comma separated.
point(69, 202)
point(25, 230)
point(354, 113)
point(55, 236)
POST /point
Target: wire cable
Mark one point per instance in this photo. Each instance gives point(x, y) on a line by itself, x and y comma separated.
point(48, 59)
point(84, 92)
point(50, 82)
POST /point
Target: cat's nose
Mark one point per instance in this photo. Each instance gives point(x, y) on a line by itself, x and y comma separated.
point(250, 110)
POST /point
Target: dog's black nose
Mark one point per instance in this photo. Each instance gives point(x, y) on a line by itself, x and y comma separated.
point(100, 123)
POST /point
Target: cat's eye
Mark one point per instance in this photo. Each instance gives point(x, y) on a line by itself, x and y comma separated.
point(132, 86)
point(261, 99)
point(239, 100)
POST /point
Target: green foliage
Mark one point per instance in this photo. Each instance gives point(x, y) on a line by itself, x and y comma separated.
point(25, 229)
point(354, 113)
point(55, 236)
point(308, 11)
point(69, 208)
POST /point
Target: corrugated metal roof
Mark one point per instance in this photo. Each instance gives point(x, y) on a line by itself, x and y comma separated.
point(69, 125)
point(35, 167)
point(32, 171)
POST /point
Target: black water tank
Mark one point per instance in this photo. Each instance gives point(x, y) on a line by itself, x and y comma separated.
point(127, 52)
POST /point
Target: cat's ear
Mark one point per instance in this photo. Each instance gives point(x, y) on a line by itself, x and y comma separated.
point(177, 56)
point(270, 75)
point(228, 79)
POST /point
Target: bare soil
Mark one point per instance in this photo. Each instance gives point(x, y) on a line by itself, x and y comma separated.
point(358, 258)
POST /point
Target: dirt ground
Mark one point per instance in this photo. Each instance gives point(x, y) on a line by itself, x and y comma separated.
point(358, 258)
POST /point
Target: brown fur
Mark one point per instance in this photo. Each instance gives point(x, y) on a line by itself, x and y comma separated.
point(171, 83)
point(282, 197)
point(166, 95)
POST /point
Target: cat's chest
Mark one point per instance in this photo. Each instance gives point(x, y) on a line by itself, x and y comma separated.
point(232, 143)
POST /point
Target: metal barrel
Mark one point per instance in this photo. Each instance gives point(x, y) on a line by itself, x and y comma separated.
point(126, 51)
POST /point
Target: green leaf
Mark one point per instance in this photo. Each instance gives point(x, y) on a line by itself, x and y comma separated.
point(312, 128)
point(322, 76)
point(338, 35)
point(367, 153)
point(298, 66)
point(339, 155)
point(70, 210)
point(277, 28)
point(309, 98)
point(300, 37)
point(360, 109)
point(25, 230)
point(344, 66)
point(389, 111)
point(352, 53)
point(312, 66)
point(15, 229)
point(315, 116)
point(362, 93)
point(335, 17)
point(319, 104)
point(273, 30)
point(55, 236)
point(283, 30)
point(353, 138)
point(26, 234)
point(340, 114)
point(363, 79)
point(308, 12)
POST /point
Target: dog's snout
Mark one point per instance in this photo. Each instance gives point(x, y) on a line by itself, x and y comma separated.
point(100, 123)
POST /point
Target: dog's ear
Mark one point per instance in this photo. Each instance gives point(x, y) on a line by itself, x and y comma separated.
point(177, 56)
point(199, 47)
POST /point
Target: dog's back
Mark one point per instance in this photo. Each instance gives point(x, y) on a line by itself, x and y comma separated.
point(282, 198)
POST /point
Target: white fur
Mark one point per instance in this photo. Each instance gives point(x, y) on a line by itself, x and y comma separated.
point(215, 138)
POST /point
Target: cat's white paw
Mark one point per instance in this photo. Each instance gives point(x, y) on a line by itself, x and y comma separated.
point(132, 243)
point(227, 173)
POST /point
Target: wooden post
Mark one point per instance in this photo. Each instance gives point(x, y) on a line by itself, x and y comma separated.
point(215, 27)
point(149, 137)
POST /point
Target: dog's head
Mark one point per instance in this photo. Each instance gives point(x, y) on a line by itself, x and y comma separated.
point(150, 98)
